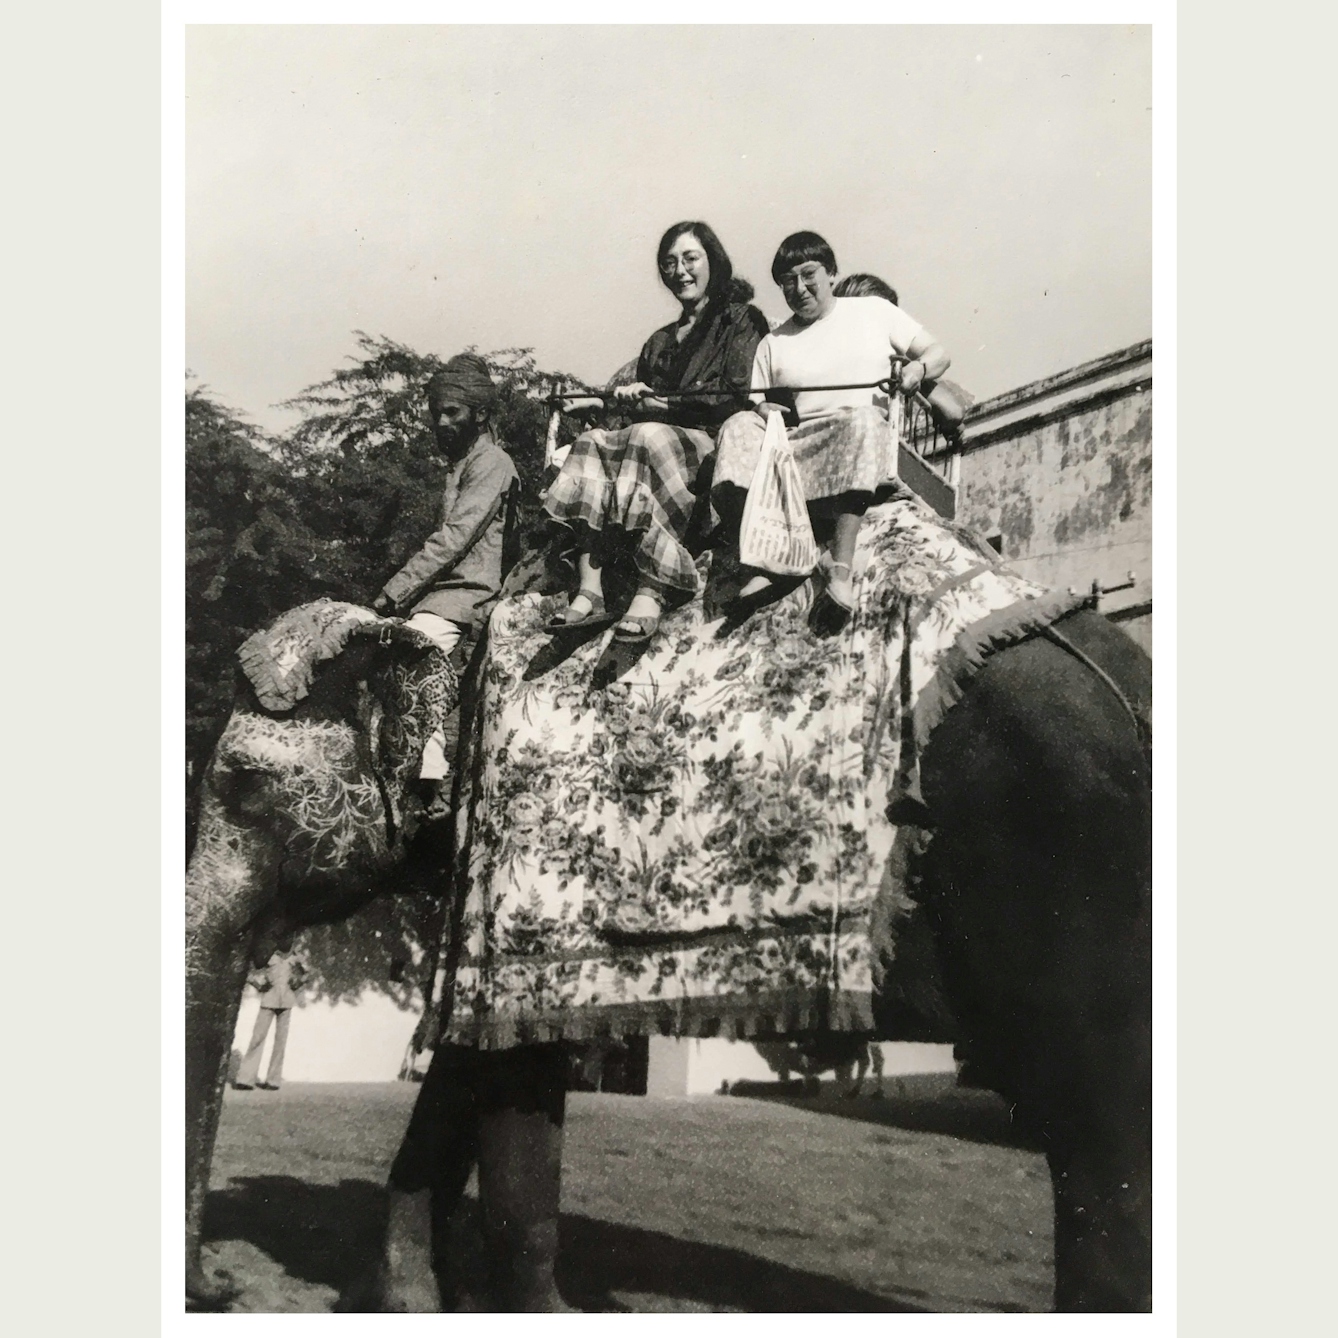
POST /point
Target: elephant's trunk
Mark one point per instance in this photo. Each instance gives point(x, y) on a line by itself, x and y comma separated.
point(231, 879)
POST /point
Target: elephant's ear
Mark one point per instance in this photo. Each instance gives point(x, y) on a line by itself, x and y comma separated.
point(281, 661)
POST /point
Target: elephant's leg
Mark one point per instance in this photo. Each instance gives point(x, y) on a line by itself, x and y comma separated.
point(1101, 1166)
point(416, 1272)
point(230, 882)
point(1103, 1249)
point(522, 1105)
point(212, 1003)
point(405, 1282)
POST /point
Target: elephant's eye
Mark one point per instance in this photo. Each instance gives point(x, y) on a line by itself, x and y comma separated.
point(245, 788)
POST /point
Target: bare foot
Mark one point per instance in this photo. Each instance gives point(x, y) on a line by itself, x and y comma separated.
point(582, 604)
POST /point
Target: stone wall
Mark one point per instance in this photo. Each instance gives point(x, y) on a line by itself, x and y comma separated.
point(1058, 474)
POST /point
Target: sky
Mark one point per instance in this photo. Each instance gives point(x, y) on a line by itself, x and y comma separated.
point(504, 186)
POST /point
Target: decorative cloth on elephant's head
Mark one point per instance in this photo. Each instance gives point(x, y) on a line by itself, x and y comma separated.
point(281, 661)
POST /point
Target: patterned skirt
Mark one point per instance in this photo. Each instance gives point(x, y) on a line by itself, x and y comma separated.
point(851, 451)
point(640, 479)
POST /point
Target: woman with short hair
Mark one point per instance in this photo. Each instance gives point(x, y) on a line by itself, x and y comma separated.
point(842, 441)
point(640, 481)
point(948, 402)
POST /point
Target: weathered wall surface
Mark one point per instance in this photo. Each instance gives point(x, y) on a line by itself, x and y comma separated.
point(1059, 473)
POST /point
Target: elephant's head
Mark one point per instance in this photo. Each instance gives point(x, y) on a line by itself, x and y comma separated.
point(308, 796)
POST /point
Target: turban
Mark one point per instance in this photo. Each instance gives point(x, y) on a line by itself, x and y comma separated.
point(464, 379)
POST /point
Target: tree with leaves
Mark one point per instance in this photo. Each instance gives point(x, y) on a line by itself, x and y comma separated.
point(365, 450)
point(332, 507)
point(250, 555)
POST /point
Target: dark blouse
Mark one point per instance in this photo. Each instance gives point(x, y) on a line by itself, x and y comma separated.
point(716, 358)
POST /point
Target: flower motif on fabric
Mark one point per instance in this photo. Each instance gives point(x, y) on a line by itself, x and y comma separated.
point(696, 843)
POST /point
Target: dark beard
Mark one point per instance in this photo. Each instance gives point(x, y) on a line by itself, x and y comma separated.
point(454, 444)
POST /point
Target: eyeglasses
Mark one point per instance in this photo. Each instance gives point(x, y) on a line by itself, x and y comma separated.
point(689, 259)
point(805, 274)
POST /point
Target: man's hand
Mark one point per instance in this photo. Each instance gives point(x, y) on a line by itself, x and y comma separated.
point(636, 391)
point(383, 604)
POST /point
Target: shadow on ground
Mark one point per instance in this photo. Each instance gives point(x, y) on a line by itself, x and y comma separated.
point(328, 1235)
point(320, 1233)
point(970, 1113)
point(605, 1260)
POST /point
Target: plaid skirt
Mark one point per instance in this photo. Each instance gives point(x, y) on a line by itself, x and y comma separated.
point(851, 451)
point(640, 479)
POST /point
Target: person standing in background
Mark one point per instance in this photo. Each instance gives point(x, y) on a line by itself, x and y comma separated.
point(279, 983)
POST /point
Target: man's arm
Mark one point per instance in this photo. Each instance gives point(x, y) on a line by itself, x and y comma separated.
point(482, 485)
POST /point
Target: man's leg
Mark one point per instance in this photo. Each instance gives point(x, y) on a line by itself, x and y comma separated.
point(274, 1076)
point(250, 1065)
point(436, 765)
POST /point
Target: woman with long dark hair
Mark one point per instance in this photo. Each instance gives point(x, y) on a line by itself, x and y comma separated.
point(636, 486)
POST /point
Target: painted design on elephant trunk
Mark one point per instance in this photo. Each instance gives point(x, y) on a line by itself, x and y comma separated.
point(228, 869)
point(331, 804)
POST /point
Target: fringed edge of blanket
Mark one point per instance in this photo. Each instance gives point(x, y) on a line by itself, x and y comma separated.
point(758, 1017)
point(975, 644)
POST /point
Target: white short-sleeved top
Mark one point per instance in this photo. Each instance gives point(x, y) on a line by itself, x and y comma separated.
point(853, 342)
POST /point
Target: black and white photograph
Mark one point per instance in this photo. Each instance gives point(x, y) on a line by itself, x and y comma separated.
point(668, 624)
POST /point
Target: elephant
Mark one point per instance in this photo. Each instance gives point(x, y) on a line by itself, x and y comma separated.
point(1028, 846)
point(1034, 876)
point(307, 809)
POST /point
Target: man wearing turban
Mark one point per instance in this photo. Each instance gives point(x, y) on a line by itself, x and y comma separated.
point(450, 585)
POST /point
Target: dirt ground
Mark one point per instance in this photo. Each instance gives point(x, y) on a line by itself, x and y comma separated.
point(922, 1201)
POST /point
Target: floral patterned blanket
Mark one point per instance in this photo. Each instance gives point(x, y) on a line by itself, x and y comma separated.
point(695, 840)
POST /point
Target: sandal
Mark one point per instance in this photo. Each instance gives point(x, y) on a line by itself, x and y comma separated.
point(599, 616)
point(744, 606)
point(637, 627)
point(845, 599)
point(836, 599)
